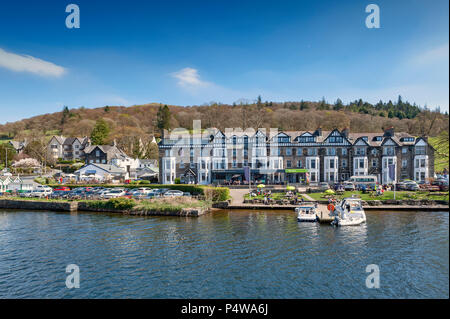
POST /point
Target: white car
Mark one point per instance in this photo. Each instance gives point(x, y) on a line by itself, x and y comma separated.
point(173, 193)
point(41, 192)
point(113, 194)
point(143, 190)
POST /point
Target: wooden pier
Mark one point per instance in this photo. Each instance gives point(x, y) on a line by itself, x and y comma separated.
point(323, 214)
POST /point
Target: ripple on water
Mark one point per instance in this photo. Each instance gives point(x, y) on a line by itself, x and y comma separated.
point(222, 255)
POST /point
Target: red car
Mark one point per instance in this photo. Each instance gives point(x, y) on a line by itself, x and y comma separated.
point(62, 188)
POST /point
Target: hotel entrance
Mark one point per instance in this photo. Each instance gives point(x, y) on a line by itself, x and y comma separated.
point(297, 176)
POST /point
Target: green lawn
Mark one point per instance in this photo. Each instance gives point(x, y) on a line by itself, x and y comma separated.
point(275, 196)
point(388, 195)
point(440, 161)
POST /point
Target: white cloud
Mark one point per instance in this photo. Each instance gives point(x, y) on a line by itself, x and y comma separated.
point(189, 78)
point(27, 63)
point(437, 55)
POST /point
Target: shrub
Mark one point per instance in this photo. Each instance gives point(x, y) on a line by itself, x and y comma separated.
point(177, 180)
point(114, 203)
point(217, 194)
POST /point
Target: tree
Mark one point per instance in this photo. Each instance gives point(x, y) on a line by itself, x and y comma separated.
point(100, 132)
point(65, 114)
point(303, 105)
point(106, 109)
point(259, 104)
point(323, 105)
point(163, 118)
point(6, 151)
point(338, 105)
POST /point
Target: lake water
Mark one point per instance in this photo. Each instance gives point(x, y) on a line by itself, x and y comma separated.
point(226, 254)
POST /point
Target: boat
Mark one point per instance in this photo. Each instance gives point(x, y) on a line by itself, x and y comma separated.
point(349, 212)
point(306, 212)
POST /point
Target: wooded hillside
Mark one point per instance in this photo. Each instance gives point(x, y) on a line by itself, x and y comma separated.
point(125, 123)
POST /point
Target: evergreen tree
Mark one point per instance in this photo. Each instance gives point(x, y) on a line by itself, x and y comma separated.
point(100, 132)
point(163, 118)
point(65, 114)
point(303, 105)
point(106, 109)
point(338, 105)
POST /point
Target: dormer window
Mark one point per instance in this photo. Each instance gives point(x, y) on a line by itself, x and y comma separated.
point(407, 139)
point(378, 138)
point(305, 139)
point(283, 139)
point(335, 139)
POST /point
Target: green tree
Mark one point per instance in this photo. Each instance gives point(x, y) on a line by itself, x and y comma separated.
point(303, 105)
point(323, 105)
point(163, 118)
point(6, 151)
point(106, 109)
point(100, 132)
point(338, 105)
point(65, 114)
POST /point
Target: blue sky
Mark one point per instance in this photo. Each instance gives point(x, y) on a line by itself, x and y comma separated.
point(193, 52)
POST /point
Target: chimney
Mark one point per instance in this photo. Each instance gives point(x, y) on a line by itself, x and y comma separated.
point(345, 132)
point(318, 132)
point(114, 143)
point(389, 132)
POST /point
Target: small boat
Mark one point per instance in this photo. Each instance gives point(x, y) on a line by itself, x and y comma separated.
point(349, 212)
point(306, 212)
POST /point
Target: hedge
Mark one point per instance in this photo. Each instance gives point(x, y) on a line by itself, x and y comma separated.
point(214, 193)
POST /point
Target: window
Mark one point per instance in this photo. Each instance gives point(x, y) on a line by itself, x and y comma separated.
point(404, 163)
point(299, 164)
point(344, 152)
point(181, 164)
point(97, 153)
point(374, 152)
point(331, 163)
point(234, 163)
point(360, 151)
point(234, 140)
point(288, 163)
point(234, 153)
point(335, 139)
point(313, 177)
point(389, 150)
point(312, 164)
point(299, 151)
point(420, 150)
point(360, 163)
point(404, 150)
point(374, 162)
point(344, 162)
point(306, 139)
point(245, 162)
point(245, 153)
point(289, 151)
point(331, 151)
point(312, 151)
point(283, 139)
point(420, 163)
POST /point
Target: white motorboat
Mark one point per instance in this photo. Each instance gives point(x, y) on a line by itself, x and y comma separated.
point(349, 212)
point(306, 212)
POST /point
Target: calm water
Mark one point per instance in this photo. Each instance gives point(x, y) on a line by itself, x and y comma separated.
point(223, 255)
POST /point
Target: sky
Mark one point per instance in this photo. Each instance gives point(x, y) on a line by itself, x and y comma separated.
point(194, 52)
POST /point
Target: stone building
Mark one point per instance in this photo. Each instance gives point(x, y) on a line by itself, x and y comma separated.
point(294, 157)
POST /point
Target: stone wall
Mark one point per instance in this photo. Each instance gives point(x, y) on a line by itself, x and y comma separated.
point(39, 205)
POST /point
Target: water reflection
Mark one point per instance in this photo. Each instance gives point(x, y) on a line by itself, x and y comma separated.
point(227, 254)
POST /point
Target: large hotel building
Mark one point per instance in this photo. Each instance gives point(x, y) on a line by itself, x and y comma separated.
point(215, 157)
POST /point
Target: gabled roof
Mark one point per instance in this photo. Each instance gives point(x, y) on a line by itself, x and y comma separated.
point(362, 138)
point(109, 168)
point(387, 139)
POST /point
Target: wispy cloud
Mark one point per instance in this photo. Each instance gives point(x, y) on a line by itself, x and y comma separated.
point(437, 55)
point(27, 63)
point(189, 78)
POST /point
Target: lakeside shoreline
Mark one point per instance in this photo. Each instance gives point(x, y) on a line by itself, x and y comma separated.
point(73, 206)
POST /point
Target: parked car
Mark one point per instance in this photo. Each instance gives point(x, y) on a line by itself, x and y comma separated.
point(187, 194)
point(41, 192)
point(173, 193)
point(62, 188)
point(324, 186)
point(412, 187)
point(349, 186)
point(113, 194)
point(27, 193)
point(443, 185)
